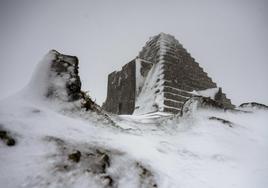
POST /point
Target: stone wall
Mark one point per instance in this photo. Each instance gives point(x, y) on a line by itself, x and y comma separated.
point(121, 90)
point(179, 75)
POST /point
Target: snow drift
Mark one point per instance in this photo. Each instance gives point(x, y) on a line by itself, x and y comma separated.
point(61, 143)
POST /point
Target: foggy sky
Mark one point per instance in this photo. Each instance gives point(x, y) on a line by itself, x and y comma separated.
point(229, 39)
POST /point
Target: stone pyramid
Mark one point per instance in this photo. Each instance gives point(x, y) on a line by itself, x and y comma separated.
point(161, 78)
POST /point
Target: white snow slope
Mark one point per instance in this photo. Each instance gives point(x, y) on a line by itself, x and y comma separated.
point(189, 152)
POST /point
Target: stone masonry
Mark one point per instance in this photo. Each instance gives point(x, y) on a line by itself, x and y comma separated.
point(163, 77)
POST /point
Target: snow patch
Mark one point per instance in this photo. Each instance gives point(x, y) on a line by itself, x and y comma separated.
point(39, 83)
point(211, 92)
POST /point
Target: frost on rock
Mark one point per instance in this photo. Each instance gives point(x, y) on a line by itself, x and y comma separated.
point(149, 99)
point(253, 105)
point(196, 102)
point(64, 79)
point(101, 167)
point(211, 92)
point(6, 137)
point(56, 80)
point(139, 77)
point(56, 76)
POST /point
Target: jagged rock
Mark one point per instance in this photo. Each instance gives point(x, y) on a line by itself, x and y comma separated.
point(254, 105)
point(229, 123)
point(65, 81)
point(108, 180)
point(101, 162)
point(96, 162)
point(75, 156)
point(6, 137)
point(91, 159)
point(146, 177)
point(197, 102)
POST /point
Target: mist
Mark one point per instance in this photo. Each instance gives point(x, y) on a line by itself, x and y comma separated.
point(227, 38)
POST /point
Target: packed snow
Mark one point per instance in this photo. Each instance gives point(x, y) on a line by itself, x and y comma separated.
point(150, 98)
point(139, 78)
point(149, 150)
point(211, 92)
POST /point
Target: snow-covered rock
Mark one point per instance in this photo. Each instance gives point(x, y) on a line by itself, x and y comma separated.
point(253, 105)
point(211, 92)
point(56, 76)
point(194, 103)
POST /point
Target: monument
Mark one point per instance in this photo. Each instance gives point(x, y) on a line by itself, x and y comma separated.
point(160, 79)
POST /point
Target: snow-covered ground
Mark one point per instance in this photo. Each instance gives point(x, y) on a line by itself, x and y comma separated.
point(153, 150)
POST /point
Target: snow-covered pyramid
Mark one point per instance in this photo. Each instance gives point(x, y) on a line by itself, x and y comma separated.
point(175, 77)
point(160, 79)
point(50, 137)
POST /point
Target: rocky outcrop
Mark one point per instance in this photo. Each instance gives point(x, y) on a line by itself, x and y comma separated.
point(95, 161)
point(198, 102)
point(65, 81)
point(6, 137)
point(223, 121)
point(57, 79)
point(254, 105)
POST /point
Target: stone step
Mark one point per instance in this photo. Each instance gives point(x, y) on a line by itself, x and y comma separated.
point(177, 67)
point(171, 110)
point(172, 103)
point(200, 85)
point(178, 85)
point(170, 58)
point(186, 84)
point(176, 97)
point(201, 82)
point(177, 91)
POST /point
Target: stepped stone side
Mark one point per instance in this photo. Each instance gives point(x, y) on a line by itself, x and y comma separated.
point(175, 96)
point(182, 74)
point(221, 97)
point(178, 75)
point(171, 110)
point(151, 51)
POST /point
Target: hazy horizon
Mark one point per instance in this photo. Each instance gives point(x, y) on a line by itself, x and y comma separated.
point(227, 38)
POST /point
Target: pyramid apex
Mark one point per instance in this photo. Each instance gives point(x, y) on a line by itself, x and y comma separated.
point(162, 34)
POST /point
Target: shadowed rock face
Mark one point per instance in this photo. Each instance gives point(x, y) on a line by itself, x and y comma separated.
point(224, 121)
point(98, 162)
point(6, 137)
point(254, 105)
point(197, 102)
point(65, 82)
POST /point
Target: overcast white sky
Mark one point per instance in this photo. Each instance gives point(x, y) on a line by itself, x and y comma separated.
point(229, 39)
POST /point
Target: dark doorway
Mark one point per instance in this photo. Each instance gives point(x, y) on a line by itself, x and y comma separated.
point(120, 108)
